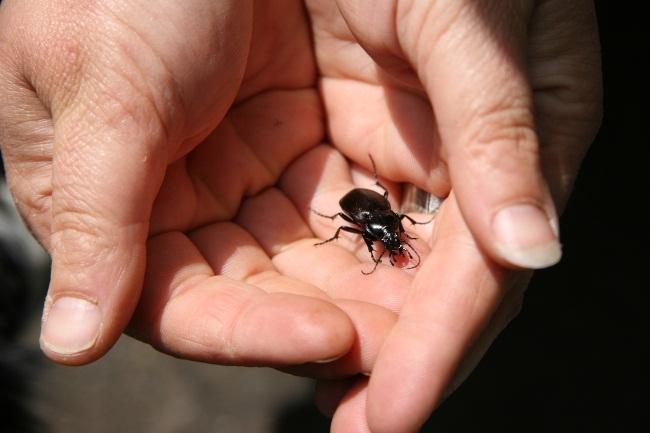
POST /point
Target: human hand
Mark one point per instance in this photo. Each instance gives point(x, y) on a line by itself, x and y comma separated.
point(124, 151)
point(492, 103)
point(124, 165)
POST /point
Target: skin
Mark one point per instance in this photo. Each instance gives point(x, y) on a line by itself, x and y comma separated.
point(167, 157)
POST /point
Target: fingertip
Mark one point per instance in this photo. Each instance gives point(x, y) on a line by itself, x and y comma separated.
point(91, 297)
point(291, 329)
point(75, 330)
point(70, 330)
point(326, 330)
point(526, 237)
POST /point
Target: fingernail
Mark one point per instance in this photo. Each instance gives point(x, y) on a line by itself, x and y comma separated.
point(328, 360)
point(70, 325)
point(526, 237)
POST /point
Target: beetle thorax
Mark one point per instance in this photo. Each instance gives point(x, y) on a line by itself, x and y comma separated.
point(384, 227)
point(392, 241)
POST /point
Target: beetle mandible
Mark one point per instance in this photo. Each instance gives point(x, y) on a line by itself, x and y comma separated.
point(374, 221)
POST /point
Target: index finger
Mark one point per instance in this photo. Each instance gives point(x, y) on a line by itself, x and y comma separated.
point(451, 299)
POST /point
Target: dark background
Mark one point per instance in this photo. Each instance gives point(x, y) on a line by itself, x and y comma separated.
point(575, 360)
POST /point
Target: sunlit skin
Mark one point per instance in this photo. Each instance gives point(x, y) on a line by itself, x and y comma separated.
point(167, 154)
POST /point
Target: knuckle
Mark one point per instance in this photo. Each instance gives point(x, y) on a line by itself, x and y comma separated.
point(31, 192)
point(502, 139)
point(35, 212)
point(81, 239)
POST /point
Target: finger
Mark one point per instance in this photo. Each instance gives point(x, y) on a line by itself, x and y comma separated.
point(233, 253)
point(108, 165)
point(371, 324)
point(484, 108)
point(397, 127)
point(26, 136)
point(116, 109)
point(508, 309)
point(190, 312)
point(339, 274)
point(452, 298)
point(350, 415)
point(237, 161)
point(272, 219)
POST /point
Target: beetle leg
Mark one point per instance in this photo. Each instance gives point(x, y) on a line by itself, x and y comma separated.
point(326, 216)
point(382, 187)
point(412, 221)
point(376, 263)
point(341, 214)
point(346, 218)
point(403, 215)
point(336, 235)
point(401, 230)
point(369, 243)
point(374, 173)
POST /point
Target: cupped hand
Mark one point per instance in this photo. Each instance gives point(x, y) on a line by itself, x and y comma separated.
point(182, 140)
point(490, 104)
point(136, 135)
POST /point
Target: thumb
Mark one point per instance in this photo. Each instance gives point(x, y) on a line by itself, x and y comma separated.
point(109, 94)
point(106, 172)
point(477, 80)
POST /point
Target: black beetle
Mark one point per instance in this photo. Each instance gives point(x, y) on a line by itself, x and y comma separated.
point(375, 220)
